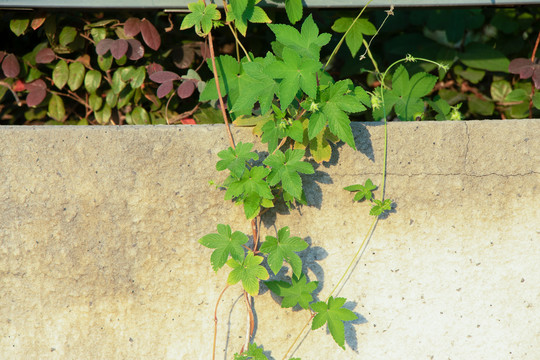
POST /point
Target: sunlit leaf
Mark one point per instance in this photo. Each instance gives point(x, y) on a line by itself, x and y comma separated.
point(92, 81)
point(248, 271)
point(76, 75)
point(19, 26)
point(67, 35)
point(225, 243)
point(56, 108)
point(60, 74)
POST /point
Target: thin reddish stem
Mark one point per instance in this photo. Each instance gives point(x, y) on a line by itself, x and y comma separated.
point(251, 321)
point(535, 47)
point(216, 322)
point(221, 103)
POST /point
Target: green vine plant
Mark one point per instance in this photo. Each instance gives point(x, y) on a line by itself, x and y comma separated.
point(295, 106)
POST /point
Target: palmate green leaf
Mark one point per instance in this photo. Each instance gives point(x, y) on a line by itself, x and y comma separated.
point(484, 57)
point(306, 43)
point(201, 17)
point(249, 271)
point(226, 243)
point(363, 191)
point(252, 353)
point(228, 70)
point(355, 36)
point(272, 132)
point(285, 168)
point(406, 94)
point(294, 10)
point(283, 248)
point(242, 11)
point(256, 84)
point(334, 314)
point(298, 291)
point(441, 107)
point(296, 73)
point(235, 159)
point(319, 146)
point(252, 190)
point(336, 101)
point(380, 207)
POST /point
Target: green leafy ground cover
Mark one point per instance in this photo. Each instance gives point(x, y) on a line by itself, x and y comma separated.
point(137, 68)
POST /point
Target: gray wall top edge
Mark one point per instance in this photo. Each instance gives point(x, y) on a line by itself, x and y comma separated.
point(113, 128)
point(182, 4)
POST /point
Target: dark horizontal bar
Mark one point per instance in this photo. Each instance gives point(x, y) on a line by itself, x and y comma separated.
point(182, 4)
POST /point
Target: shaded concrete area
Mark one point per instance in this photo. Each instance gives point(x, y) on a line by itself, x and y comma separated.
point(99, 256)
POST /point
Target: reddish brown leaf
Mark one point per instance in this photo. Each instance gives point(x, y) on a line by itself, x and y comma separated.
point(103, 46)
point(45, 56)
point(36, 85)
point(85, 60)
point(204, 51)
point(153, 67)
point(37, 21)
point(132, 26)
point(523, 67)
point(119, 48)
point(164, 89)
point(536, 77)
point(150, 34)
point(164, 76)
point(135, 49)
point(186, 89)
point(2, 55)
point(10, 66)
point(152, 97)
point(37, 90)
point(183, 57)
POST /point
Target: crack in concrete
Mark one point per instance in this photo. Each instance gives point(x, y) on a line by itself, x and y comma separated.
point(447, 174)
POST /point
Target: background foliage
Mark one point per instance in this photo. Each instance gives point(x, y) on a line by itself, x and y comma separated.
point(139, 68)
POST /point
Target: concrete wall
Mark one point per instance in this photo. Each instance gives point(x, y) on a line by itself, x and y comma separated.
point(99, 256)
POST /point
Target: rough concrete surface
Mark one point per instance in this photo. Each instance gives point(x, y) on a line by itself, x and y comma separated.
point(99, 256)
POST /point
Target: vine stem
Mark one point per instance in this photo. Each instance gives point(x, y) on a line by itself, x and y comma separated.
point(362, 246)
point(358, 252)
point(216, 321)
point(298, 337)
point(345, 35)
point(239, 43)
point(368, 52)
point(250, 322)
point(220, 97)
point(8, 86)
